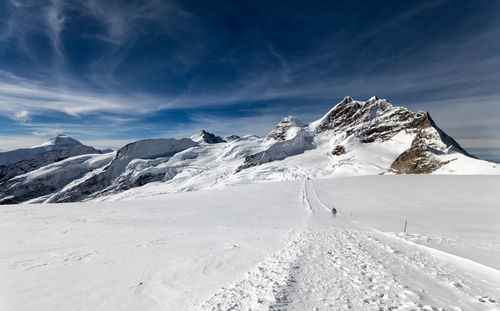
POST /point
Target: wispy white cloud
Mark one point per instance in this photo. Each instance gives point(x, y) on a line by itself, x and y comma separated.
point(22, 116)
point(55, 19)
point(15, 3)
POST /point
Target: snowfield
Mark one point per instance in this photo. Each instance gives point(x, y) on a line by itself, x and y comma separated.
point(262, 246)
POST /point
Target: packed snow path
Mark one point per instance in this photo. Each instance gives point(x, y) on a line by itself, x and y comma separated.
point(332, 264)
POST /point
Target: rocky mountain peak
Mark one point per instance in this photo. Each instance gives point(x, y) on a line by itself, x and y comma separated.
point(206, 137)
point(347, 99)
point(375, 119)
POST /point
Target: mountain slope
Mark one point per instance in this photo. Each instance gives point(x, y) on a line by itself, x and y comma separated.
point(60, 142)
point(20, 161)
point(114, 176)
point(354, 123)
point(54, 177)
point(353, 138)
point(290, 137)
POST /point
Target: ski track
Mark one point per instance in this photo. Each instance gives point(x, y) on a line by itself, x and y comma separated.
point(333, 265)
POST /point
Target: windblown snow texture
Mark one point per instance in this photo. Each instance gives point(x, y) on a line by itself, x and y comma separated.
point(273, 246)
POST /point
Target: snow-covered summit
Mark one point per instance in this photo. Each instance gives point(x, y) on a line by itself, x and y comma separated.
point(206, 137)
point(60, 142)
point(286, 129)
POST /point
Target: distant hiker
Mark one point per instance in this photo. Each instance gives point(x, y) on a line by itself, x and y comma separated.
point(334, 211)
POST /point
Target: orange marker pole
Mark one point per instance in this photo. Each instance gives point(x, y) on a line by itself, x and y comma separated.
point(406, 223)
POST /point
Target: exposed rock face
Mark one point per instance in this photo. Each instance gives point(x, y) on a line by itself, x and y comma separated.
point(338, 150)
point(374, 120)
point(417, 159)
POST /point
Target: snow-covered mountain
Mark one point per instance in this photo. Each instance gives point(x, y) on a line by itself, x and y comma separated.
point(206, 137)
point(58, 143)
point(124, 171)
point(353, 138)
point(17, 162)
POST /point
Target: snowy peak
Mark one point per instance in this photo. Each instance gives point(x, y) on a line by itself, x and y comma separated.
point(206, 137)
point(376, 120)
point(61, 142)
point(285, 129)
point(290, 137)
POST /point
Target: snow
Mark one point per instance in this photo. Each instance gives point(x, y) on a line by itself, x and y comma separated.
point(94, 256)
point(458, 214)
point(373, 135)
point(209, 138)
point(147, 149)
point(13, 156)
point(272, 246)
point(60, 142)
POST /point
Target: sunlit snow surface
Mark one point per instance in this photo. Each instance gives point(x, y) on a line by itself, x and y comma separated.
point(264, 246)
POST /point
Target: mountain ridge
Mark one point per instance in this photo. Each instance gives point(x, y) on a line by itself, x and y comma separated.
point(352, 138)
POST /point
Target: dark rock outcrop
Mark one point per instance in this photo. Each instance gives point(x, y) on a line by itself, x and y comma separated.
point(416, 160)
point(338, 150)
point(374, 120)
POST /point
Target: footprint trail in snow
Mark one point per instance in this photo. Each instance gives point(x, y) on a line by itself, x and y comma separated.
point(333, 265)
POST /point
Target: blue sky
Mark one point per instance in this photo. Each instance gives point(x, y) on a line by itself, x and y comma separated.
point(108, 72)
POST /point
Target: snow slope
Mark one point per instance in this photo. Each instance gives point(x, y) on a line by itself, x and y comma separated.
point(60, 142)
point(273, 246)
point(18, 162)
point(53, 177)
point(353, 138)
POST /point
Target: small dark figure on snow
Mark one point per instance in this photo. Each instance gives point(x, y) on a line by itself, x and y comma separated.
point(334, 211)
